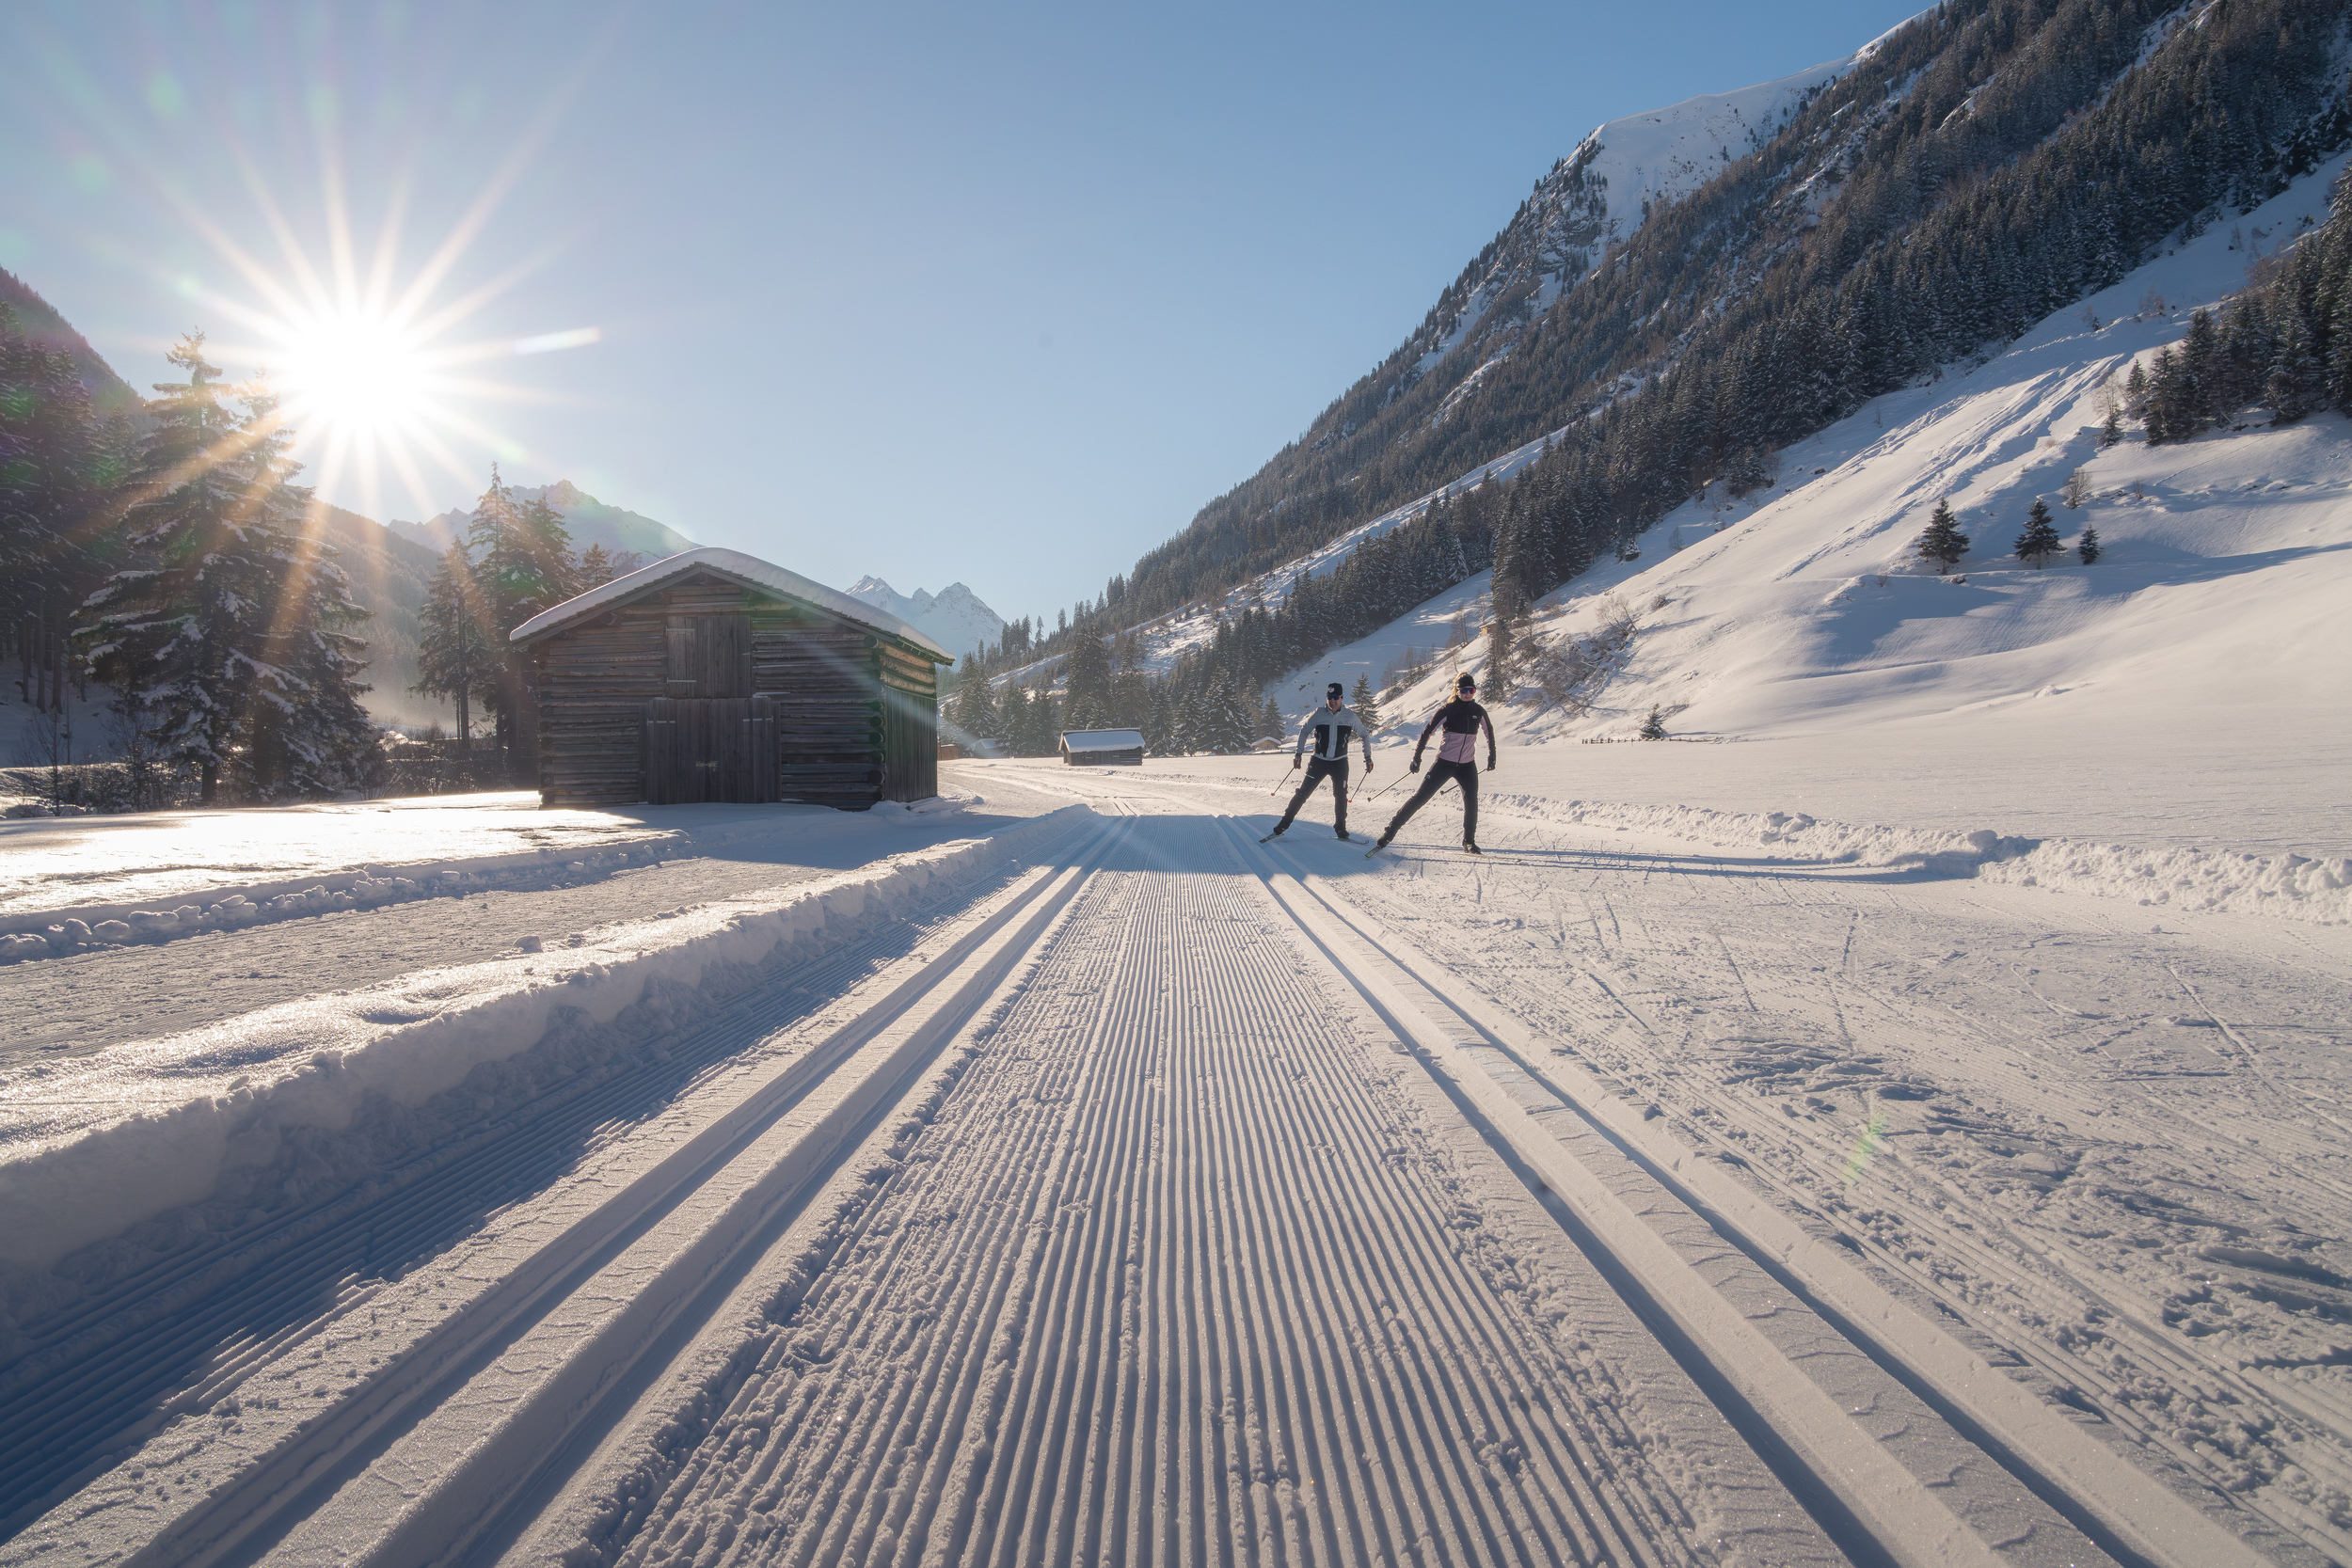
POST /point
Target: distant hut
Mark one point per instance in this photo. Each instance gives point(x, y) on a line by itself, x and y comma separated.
point(1103, 747)
point(713, 675)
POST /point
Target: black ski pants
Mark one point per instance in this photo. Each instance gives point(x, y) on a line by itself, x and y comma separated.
point(1463, 773)
point(1317, 770)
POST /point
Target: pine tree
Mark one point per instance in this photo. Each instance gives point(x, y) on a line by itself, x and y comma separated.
point(1270, 725)
point(187, 640)
point(1943, 543)
point(2089, 548)
point(1159, 722)
point(2041, 539)
point(2111, 432)
point(2297, 382)
point(1224, 719)
point(1654, 727)
point(1360, 697)
point(456, 658)
point(595, 567)
point(1501, 680)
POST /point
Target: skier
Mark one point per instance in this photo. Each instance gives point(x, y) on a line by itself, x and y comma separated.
point(1461, 719)
point(1332, 724)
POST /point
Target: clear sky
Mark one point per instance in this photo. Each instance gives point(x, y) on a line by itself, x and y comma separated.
point(991, 294)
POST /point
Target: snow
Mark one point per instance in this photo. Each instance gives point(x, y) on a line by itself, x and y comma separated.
point(101, 867)
point(93, 1145)
point(955, 616)
point(749, 570)
point(1101, 740)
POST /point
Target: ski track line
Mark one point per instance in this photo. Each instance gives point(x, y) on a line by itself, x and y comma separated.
point(2128, 1505)
point(1155, 1288)
point(694, 1195)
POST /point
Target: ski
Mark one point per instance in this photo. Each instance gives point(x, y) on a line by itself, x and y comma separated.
point(1269, 838)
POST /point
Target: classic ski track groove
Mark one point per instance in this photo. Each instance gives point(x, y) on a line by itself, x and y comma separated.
point(417, 1379)
point(2136, 1508)
point(1151, 1149)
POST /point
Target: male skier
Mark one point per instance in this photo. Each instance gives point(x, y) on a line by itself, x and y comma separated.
point(1331, 725)
point(1462, 718)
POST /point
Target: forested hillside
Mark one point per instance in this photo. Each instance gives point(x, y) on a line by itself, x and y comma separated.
point(1983, 165)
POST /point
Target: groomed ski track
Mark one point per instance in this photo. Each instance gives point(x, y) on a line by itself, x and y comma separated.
point(1159, 1207)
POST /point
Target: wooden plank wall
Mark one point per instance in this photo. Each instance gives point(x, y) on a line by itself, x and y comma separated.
point(847, 717)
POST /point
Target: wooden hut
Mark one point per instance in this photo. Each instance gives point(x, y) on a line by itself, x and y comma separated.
point(1103, 747)
point(713, 675)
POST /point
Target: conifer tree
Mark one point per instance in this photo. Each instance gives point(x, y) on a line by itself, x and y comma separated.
point(2089, 548)
point(1502, 678)
point(456, 655)
point(1270, 725)
point(1224, 719)
point(1943, 543)
point(1360, 698)
point(2111, 432)
point(2040, 541)
point(595, 567)
point(1654, 727)
point(1159, 722)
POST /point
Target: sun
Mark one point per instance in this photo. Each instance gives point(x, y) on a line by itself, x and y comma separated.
point(353, 377)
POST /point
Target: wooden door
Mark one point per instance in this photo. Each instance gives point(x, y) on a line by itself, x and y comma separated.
point(700, 748)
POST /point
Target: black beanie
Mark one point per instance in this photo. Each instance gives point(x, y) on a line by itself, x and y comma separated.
point(1466, 683)
point(1335, 690)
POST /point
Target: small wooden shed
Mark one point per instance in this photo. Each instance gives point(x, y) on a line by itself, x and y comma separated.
point(1103, 747)
point(714, 675)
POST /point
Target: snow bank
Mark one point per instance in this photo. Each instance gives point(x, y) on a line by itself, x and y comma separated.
point(2296, 886)
point(89, 1148)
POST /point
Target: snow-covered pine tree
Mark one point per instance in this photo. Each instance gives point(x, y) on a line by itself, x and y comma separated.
point(1943, 543)
point(187, 640)
point(1159, 722)
point(2297, 382)
point(1225, 717)
point(1270, 725)
point(1654, 727)
point(2111, 432)
point(1360, 698)
point(2040, 541)
point(2089, 548)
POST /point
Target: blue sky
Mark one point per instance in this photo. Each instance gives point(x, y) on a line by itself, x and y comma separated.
point(992, 294)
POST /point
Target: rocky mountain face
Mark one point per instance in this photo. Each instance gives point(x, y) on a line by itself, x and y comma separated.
point(1787, 250)
point(955, 617)
point(590, 520)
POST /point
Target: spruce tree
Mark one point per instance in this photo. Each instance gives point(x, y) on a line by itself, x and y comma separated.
point(185, 636)
point(456, 658)
point(1654, 727)
point(1361, 699)
point(1270, 725)
point(2089, 548)
point(2111, 432)
point(1943, 543)
point(2040, 541)
point(1225, 719)
point(595, 567)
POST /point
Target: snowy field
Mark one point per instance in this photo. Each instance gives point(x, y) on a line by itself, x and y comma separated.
point(1064, 1176)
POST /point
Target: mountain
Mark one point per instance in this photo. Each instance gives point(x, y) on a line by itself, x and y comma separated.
point(590, 520)
point(39, 320)
point(954, 618)
point(1693, 290)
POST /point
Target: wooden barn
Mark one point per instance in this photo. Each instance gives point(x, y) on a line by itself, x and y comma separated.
point(713, 675)
point(1103, 747)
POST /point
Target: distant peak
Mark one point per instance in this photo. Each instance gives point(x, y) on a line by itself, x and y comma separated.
point(873, 585)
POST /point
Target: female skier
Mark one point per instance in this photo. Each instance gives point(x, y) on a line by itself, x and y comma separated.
point(1461, 719)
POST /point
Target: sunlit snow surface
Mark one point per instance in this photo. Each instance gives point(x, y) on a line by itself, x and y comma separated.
point(164, 857)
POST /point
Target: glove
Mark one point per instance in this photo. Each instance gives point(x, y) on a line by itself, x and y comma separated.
point(1413, 767)
point(1295, 762)
point(1490, 765)
point(1367, 767)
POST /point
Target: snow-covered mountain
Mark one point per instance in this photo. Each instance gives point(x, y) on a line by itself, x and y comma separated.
point(590, 520)
point(954, 617)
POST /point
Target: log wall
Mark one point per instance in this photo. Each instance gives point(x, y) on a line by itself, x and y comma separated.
point(856, 716)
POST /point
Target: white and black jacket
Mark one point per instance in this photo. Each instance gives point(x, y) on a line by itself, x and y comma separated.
point(1329, 732)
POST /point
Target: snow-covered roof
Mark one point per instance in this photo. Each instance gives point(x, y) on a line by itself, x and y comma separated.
point(750, 572)
point(1101, 740)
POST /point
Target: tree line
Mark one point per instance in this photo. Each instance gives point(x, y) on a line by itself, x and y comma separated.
point(1988, 164)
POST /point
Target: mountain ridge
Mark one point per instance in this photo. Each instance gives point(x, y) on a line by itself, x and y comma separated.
point(589, 520)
